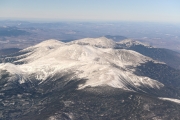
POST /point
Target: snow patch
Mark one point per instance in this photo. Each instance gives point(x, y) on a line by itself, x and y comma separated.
point(11, 68)
point(170, 99)
point(101, 42)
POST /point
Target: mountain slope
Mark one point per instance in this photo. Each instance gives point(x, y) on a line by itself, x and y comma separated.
point(170, 57)
point(86, 79)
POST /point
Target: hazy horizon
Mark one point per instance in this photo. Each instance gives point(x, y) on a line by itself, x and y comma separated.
point(109, 11)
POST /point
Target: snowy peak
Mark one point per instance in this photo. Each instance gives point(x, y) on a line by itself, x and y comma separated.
point(49, 44)
point(37, 51)
point(101, 42)
point(129, 43)
point(104, 42)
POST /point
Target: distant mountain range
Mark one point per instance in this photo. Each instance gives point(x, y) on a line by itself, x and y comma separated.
point(12, 31)
point(90, 78)
point(8, 51)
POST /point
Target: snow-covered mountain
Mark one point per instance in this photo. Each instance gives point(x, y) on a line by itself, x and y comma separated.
point(52, 78)
point(91, 59)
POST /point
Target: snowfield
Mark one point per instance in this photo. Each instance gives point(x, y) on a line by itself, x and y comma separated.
point(170, 99)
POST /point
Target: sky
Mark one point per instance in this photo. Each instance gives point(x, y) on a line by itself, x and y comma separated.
point(92, 10)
